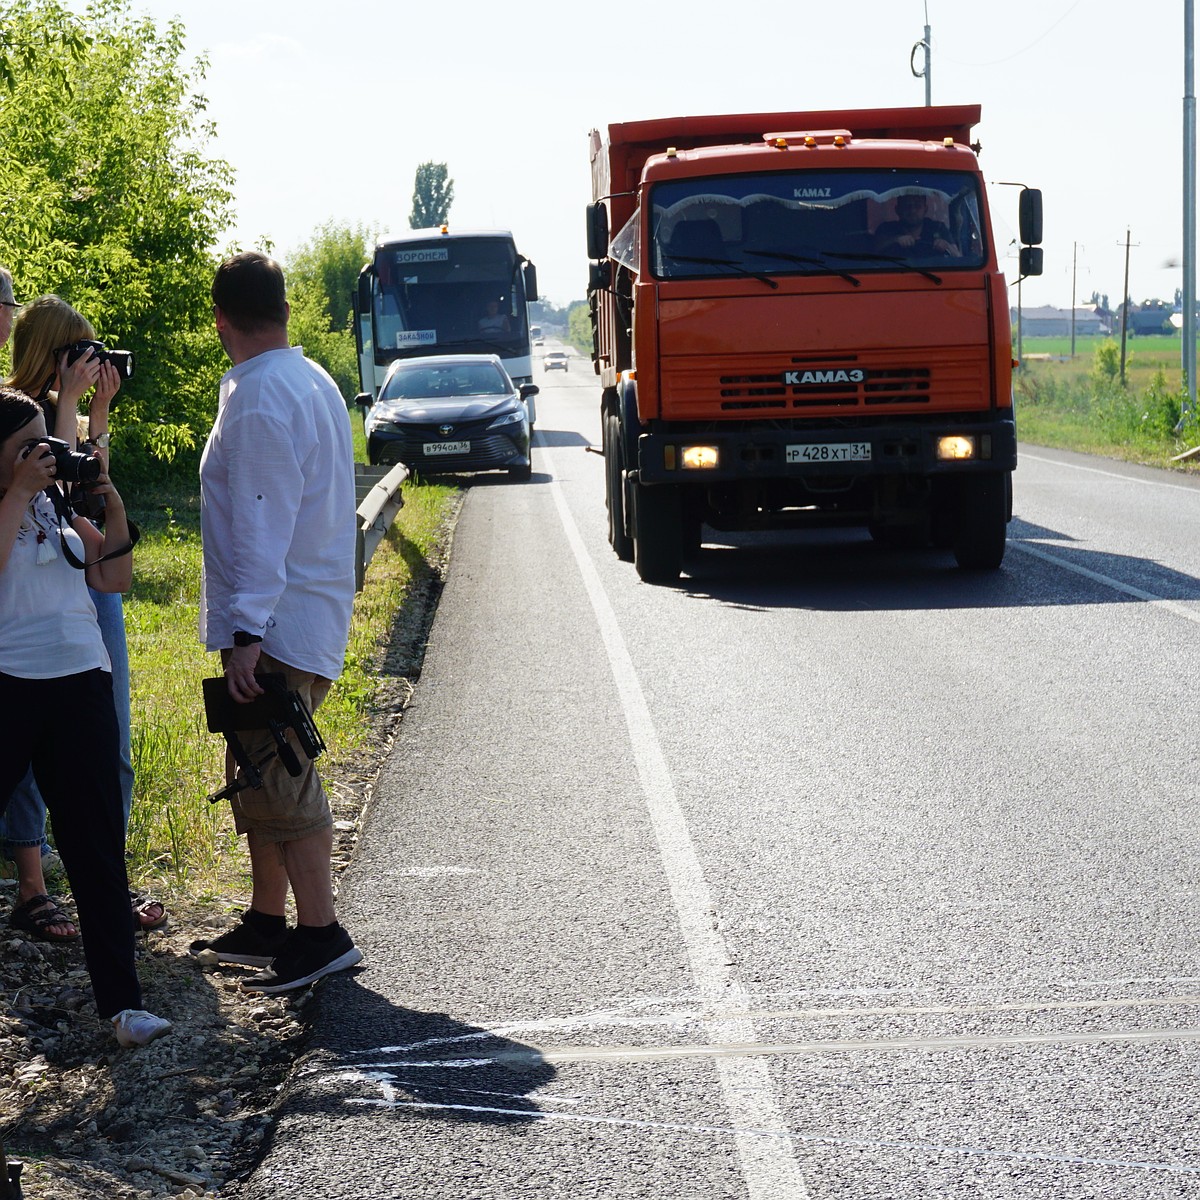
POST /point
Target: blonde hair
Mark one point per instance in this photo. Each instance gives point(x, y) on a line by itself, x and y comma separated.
point(43, 326)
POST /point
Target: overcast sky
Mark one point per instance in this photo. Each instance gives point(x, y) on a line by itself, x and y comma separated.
point(325, 109)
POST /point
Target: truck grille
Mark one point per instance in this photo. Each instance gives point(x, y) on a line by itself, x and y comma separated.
point(943, 380)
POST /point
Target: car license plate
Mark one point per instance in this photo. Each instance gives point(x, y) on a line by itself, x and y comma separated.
point(447, 448)
point(820, 452)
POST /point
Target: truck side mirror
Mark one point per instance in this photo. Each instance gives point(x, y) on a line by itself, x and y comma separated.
point(599, 276)
point(529, 276)
point(1031, 260)
point(597, 230)
point(1030, 210)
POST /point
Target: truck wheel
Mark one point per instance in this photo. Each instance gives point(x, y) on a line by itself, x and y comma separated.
point(657, 533)
point(982, 521)
point(614, 490)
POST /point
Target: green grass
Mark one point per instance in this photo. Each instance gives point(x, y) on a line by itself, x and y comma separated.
point(1080, 403)
point(176, 838)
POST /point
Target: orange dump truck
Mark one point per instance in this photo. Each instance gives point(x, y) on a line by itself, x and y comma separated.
point(799, 319)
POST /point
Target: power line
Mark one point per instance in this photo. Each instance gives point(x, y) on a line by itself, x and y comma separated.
point(992, 62)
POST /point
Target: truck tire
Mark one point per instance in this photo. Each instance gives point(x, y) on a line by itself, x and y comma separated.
point(984, 508)
point(614, 490)
point(657, 533)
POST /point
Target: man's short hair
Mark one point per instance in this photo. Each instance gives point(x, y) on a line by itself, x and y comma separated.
point(249, 289)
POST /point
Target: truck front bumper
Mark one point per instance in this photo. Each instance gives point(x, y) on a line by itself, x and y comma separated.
point(936, 448)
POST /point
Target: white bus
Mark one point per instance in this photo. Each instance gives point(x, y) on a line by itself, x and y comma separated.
point(438, 291)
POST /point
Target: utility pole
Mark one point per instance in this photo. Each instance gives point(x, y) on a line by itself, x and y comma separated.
point(925, 44)
point(1189, 211)
point(1074, 260)
point(1125, 308)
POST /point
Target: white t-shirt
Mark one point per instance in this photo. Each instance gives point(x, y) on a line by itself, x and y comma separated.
point(48, 623)
point(277, 513)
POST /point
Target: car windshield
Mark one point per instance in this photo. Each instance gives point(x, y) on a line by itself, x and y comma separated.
point(817, 222)
point(446, 381)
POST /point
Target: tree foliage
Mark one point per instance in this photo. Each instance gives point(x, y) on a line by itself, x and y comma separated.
point(108, 199)
point(321, 277)
point(433, 193)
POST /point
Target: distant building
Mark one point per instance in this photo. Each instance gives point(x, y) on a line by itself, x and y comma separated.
point(1048, 321)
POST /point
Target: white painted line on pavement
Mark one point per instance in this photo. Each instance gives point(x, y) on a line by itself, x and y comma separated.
point(1162, 483)
point(768, 1165)
point(1180, 610)
point(391, 1101)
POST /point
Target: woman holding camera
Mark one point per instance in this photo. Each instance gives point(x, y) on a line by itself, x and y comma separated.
point(43, 369)
point(53, 666)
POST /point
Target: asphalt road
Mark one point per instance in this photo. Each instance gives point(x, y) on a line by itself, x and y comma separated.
point(831, 871)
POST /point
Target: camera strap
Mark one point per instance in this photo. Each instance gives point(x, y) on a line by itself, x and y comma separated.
point(64, 513)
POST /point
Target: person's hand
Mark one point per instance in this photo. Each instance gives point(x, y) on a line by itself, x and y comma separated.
point(74, 380)
point(107, 385)
point(103, 486)
point(239, 672)
point(33, 471)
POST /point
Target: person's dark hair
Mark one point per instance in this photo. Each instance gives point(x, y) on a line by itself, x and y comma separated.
point(249, 289)
point(16, 411)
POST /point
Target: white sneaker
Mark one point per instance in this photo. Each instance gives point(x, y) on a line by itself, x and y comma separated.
point(137, 1027)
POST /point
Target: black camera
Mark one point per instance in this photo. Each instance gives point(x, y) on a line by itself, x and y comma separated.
point(69, 466)
point(121, 359)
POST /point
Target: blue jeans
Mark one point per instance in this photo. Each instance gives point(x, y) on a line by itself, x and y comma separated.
point(24, 821)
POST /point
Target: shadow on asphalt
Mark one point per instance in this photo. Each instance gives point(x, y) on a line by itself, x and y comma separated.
point(378, 1055)
point(844, 570)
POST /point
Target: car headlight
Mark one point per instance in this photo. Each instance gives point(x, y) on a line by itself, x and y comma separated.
point(509, 418)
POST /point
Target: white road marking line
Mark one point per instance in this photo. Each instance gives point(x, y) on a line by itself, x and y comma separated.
point(818, 1139)
point(610, 1019)
point(768, 1167)
point(533, 1055)
point(1174, 606)
point(1162, 483)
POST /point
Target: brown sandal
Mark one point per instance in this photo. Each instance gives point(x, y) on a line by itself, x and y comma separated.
point(144, 918)
point(38, 914)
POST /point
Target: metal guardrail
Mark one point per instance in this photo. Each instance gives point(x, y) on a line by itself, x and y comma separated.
point(377, 490)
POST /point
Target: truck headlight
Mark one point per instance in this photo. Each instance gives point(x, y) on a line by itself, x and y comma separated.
point(955, 446)
point(698, 458)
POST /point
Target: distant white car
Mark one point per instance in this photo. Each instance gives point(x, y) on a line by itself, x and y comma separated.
point(556, 360)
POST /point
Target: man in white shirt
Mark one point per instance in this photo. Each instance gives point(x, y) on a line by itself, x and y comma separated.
point(277, 522)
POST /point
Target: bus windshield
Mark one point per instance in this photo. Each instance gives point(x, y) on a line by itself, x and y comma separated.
point(460, 294)
point(817, 222)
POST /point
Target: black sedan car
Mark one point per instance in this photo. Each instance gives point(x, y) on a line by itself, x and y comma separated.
point(452, 413)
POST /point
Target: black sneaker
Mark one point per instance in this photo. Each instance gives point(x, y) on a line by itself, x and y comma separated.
point(304, 960)
point(244, 945)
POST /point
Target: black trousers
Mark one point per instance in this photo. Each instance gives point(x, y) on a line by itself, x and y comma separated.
point(66, 728)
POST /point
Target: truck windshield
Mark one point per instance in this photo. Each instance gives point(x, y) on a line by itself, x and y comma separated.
point(464, 294)
point(817, 222)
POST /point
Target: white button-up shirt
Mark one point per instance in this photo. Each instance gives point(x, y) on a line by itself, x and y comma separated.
point(277, 513)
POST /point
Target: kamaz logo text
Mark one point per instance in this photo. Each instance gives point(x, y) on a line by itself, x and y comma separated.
point(808, 378)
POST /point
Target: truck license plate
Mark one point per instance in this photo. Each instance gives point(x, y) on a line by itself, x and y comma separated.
point(447, 447)
point(820, 452)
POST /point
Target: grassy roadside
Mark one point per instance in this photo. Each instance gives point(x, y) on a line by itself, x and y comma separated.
point(178, 842)
point(1080, 403)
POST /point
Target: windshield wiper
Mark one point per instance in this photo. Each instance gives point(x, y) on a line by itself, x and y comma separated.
point(808, 262)
point(897, 260)
point(723, 262)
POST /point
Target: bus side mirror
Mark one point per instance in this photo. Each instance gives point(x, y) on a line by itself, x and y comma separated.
point(597, 230)
point(1030, 211)
point(1031, 260)
point(364, 291)
point(529, 276)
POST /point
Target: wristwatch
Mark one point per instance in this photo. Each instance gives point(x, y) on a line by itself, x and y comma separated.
point(101, 440)
point(242, 638)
